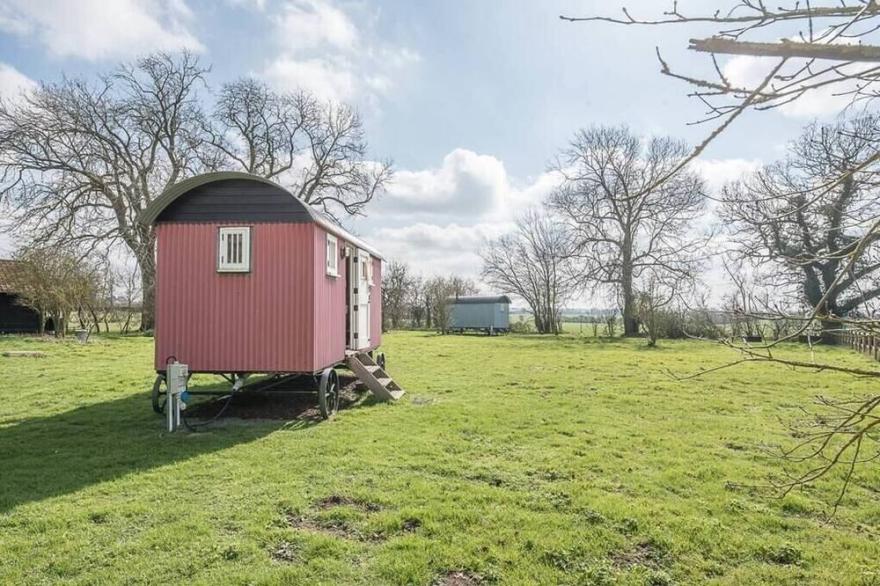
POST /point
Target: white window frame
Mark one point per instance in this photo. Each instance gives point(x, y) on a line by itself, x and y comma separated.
point(332, 261)
point(241, 261)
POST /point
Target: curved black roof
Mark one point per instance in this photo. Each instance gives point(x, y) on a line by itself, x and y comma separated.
point(475, 299)
point(236, 196)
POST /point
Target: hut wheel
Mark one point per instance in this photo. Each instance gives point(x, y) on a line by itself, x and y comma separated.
point(380, 360)
point(160, 390)
point(328, 393)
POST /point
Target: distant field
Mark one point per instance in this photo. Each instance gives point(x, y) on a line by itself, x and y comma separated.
point(512, 460)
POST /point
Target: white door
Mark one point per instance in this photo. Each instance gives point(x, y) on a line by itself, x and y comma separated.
point(361, 273)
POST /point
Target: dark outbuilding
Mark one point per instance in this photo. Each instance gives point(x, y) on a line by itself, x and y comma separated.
point(15, 318)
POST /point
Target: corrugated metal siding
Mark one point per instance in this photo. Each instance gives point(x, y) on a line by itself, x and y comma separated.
point(502, 315)
point(480, 315)
point(330, 304)
point(260, 321)
point(376, 305)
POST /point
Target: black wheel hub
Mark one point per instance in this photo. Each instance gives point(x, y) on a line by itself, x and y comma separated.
point(328, 393)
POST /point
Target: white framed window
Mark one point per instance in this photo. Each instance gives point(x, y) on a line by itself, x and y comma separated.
point(368, 260)
point(234, 250)
point(332, 255)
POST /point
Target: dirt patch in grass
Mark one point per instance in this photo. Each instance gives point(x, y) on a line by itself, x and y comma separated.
point(645, 554)
point(458, 578)
point(296, 398)
point(285, 552)
point(334, 527)
point(335, 500)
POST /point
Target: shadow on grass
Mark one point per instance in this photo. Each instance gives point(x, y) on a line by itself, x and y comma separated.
point(59, 454)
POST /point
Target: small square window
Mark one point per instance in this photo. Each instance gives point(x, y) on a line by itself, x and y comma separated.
point(234, 250)
point(332, 256)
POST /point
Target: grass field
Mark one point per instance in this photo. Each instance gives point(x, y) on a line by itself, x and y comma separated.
point(511, 460)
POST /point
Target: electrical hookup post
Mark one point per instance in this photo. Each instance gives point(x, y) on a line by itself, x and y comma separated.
point(177, 376)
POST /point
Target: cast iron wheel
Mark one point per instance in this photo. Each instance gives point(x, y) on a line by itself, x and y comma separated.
point(160, 394)
point(380, 360)
point(328, 393)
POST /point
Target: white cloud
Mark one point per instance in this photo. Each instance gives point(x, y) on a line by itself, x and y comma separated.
point(326, 50)
point(466, 184)
point(437, 219)
point(717, 172)
point(13, 82)
point(98, 29)
point(257, 4)
point(829, 100)
point(326, 78)
point(434, 249)
point(312, 24)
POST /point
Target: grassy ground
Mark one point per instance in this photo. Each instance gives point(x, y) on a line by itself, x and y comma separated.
point(513, 459)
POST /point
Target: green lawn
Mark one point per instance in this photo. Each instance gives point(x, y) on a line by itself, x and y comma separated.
point(514, 459)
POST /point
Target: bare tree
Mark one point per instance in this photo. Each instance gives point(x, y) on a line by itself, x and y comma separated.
point(741, 303)
point(655, 297)
point(128, 277)
point(437, 293)
point(397, 291)
point(414, 302)
point(535, 262)
point(624, 223)
point(80, 161)
point(779, 217)
point(58, 283)
point(824, 55)
point(316, 149)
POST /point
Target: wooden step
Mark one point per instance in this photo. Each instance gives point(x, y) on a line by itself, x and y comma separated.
point(377, 380)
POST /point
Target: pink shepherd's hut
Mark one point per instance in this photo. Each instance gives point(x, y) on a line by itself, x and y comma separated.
point(250, 279)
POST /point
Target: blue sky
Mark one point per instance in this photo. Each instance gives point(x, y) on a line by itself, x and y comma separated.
point(470, 99)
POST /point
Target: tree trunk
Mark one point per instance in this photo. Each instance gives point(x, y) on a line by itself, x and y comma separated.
point(144, 252)
point(96, 320)
point(630, 315)
point(60, 325)
point(148, 286)
point(830, 330)
point(539, 321)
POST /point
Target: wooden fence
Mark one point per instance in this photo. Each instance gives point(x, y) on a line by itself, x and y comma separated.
point(865, 342)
